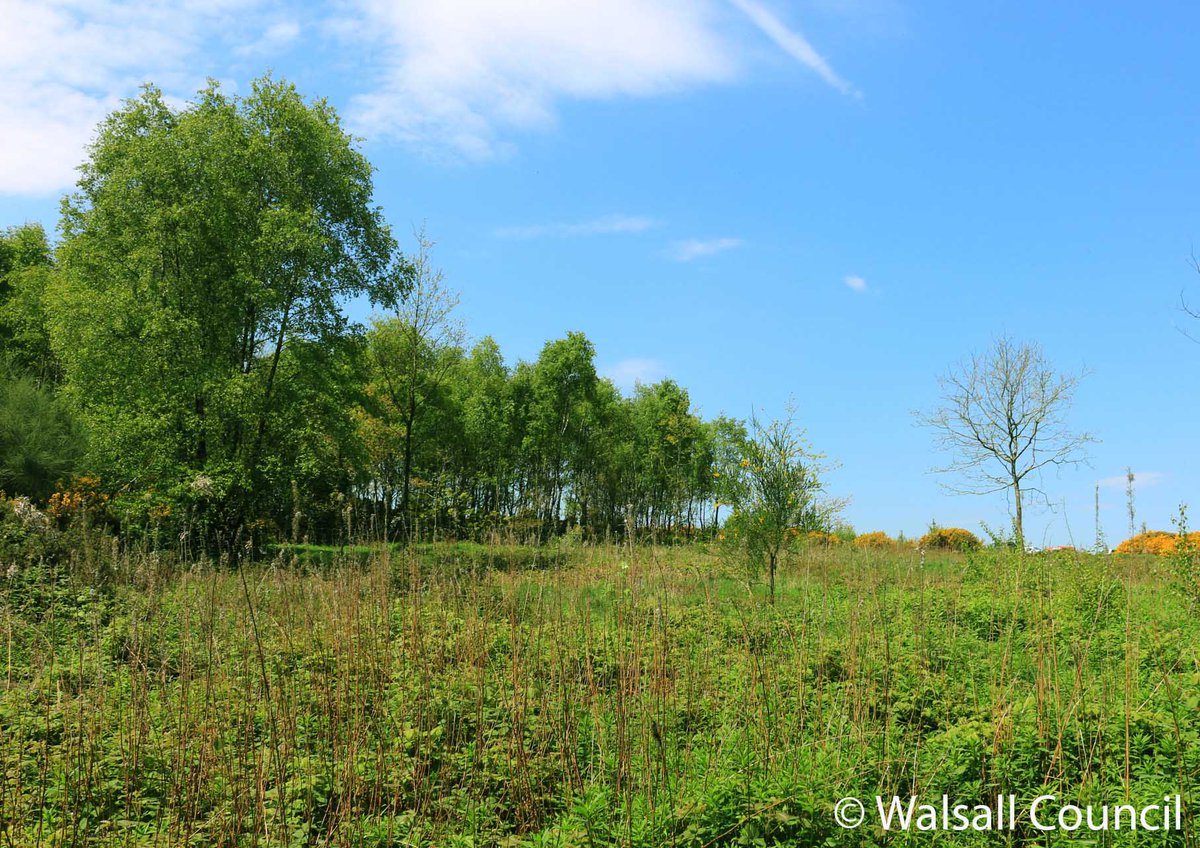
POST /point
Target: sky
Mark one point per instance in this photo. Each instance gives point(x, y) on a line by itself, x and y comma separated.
point(826, 203)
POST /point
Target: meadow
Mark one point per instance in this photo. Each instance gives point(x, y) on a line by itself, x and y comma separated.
point(608, 695)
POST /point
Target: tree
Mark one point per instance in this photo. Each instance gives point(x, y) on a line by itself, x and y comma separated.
point(488, 454)
point(728, 438)
point(202, 245)
point(26, 265)
point(1003, 417)
point(1188, 308)
point(562, 391)
point(411, 355)
point(780, 495)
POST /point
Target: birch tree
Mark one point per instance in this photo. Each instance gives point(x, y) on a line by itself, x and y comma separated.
point(1003, 420)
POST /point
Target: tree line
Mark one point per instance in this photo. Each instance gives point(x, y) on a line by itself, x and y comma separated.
point(185, 350)
point(183, 354)
point(401, 420)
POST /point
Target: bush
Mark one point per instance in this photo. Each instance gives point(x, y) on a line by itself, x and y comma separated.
point(821, 538)
point(951, 539)
point(1156, 542)
point(39, 440)
point(26, 536)
point(877, 539)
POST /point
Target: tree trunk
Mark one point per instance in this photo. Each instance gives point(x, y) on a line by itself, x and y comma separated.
point(1018, 523)
point(410, 418)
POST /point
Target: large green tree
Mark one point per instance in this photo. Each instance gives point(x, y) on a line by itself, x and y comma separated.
point(204, 243)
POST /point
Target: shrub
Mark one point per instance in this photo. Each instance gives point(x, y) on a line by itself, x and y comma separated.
point(26, 535)
point(39, 440)
point(844, 532)
point(877, 539)
point(950, 538)
point(1157, 542)
point(821, 538)
point(82, 495)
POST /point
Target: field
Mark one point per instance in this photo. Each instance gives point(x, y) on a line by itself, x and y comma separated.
point(457, 695)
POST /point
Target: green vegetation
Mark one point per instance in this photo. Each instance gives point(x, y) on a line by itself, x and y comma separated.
point(189, 334)
point(272, 577)
point(620, 696)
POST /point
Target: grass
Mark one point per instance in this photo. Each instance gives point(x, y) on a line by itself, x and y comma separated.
point(609, 696)
point(444, 557)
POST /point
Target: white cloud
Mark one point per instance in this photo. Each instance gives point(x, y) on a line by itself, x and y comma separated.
point(456, 70)
point(276, 37)
point(686, 251)
point(445, 75)
point(793, 43)
point(606, 225)
point(854, 283)
point(627, 373)
point(458, 73)
point(1141, 480)
point(66, 63)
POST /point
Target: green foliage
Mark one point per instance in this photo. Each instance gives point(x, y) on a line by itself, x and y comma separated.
point(26, 266)
point(204, 261)
point(534, 450)
point(442, 699)
point(1186, 560)
point(191, 322)
point(40, 441)
point(782, 497)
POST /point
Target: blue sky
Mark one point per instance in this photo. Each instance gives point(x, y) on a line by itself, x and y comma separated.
point(831, 201)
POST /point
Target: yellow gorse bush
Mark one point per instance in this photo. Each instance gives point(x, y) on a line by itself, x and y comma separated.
point(950, 538)
point(820, 537)
point(81, 495)
point(1157, 542)
point(876, 539)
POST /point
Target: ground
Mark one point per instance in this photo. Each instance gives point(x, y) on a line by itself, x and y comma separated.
point(457, 695)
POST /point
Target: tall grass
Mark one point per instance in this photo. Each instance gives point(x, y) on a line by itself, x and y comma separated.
point(624, 696)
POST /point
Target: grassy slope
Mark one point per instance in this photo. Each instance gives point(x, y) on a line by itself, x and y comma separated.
point(626, 698)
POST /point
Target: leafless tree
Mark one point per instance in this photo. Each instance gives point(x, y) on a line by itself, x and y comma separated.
point(1003, 418)
point(1186, 307)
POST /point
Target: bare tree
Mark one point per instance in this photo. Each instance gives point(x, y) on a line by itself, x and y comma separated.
point(1002, 416)
point(1186, 307)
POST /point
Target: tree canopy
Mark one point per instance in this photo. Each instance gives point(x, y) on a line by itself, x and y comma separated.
point(187, 345)
point(204, 264)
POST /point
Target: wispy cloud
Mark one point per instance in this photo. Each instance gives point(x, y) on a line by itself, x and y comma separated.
point(686, 251)
point(453, 75)
point(1141, 480)
point(458, 73)
point(463, 74)
point(627, 373)
point(792, 42)
point(605, 225)
point(854, 283)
